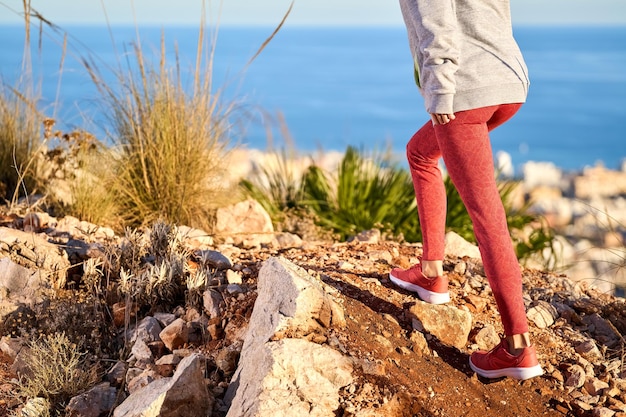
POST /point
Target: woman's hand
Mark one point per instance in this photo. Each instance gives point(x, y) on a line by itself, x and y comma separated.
point(441, 119)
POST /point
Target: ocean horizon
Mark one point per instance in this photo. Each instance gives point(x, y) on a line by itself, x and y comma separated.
point(336, 87)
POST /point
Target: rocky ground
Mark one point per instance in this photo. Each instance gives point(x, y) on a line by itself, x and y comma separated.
point(577, 330)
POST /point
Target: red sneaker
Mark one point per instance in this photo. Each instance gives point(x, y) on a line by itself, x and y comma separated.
point(498, 362)
point(431, 290)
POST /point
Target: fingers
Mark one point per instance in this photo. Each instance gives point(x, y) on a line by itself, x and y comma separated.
point(441, 119)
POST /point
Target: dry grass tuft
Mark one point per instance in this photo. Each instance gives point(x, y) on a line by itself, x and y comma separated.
point(58, 371)
point(170, 144)
point(20, 141)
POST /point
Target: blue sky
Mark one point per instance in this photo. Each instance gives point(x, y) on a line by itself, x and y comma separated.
point(269, 12)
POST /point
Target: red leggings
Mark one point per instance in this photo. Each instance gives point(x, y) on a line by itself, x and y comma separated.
point(466, 150)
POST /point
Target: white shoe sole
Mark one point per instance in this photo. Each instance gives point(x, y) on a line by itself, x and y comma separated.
point(425, 295)
point(516, 373)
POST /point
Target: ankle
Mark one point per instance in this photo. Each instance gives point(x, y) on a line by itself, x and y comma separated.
point(432, 269)
point(517, 343)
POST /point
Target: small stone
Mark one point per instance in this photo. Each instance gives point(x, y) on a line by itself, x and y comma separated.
point(576, 378)
point(372, 236)
point(384, 342)
point(420, 345)
point(583, 405)
point(373, 368)
point(477, 301)
point(214, 259)
point(602, 412)
point(226, 360)
point(233, 277)
point(117, 374)
point(212, 302)
point(175, 335)
point(557, 375)
point(460, 268)
point(543, 314)
point(589, 350)
point(346, 266)
point(487, 338)
point(234, 289)
point(97, 401)
point(142, 354)
point(403, 350)
point(595, 387)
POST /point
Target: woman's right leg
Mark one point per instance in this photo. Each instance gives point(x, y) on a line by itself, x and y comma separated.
point(423, 155)
point(427, 278)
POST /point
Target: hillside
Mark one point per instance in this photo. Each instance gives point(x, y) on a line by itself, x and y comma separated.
point(403, 369)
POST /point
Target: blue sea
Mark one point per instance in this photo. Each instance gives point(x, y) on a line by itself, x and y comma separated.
point(336, 87)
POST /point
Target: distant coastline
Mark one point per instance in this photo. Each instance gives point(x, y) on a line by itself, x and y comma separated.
point(350, 86)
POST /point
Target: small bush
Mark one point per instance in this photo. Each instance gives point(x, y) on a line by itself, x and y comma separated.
point(57, 369)
point(277, 186)
point(151, 267)
point(366, 193)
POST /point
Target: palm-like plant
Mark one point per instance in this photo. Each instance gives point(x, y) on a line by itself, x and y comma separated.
point(366, 193)
point(526, 245)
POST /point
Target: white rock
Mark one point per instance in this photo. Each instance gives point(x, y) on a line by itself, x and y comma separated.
point(184, 394)
point(244, 218)
point(457, 246)
point(448, 324)
point(93, 403)
point(291, 376)
point(543, 314)
point(233, 277)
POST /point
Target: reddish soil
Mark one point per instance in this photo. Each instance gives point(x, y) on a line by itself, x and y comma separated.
point(441, 384)
point(7, 400)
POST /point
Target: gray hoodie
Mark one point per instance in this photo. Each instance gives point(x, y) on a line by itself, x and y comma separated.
point(465, 54)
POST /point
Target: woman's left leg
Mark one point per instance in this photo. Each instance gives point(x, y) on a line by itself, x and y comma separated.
point(466, 150)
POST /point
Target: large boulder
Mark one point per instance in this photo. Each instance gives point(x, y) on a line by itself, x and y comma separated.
point(280, 372)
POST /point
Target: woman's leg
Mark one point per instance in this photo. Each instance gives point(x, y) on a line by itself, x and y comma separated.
point(465, 146)
point(427, 278)
point(423, 155)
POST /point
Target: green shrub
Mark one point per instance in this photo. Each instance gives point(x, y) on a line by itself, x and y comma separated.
point(537, 244)
point(277, 186)
point(366, 193)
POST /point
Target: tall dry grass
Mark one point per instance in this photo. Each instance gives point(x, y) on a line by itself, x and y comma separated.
point(171, 135)
point(20, 141)
point(20, 128)
point(169, 145)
